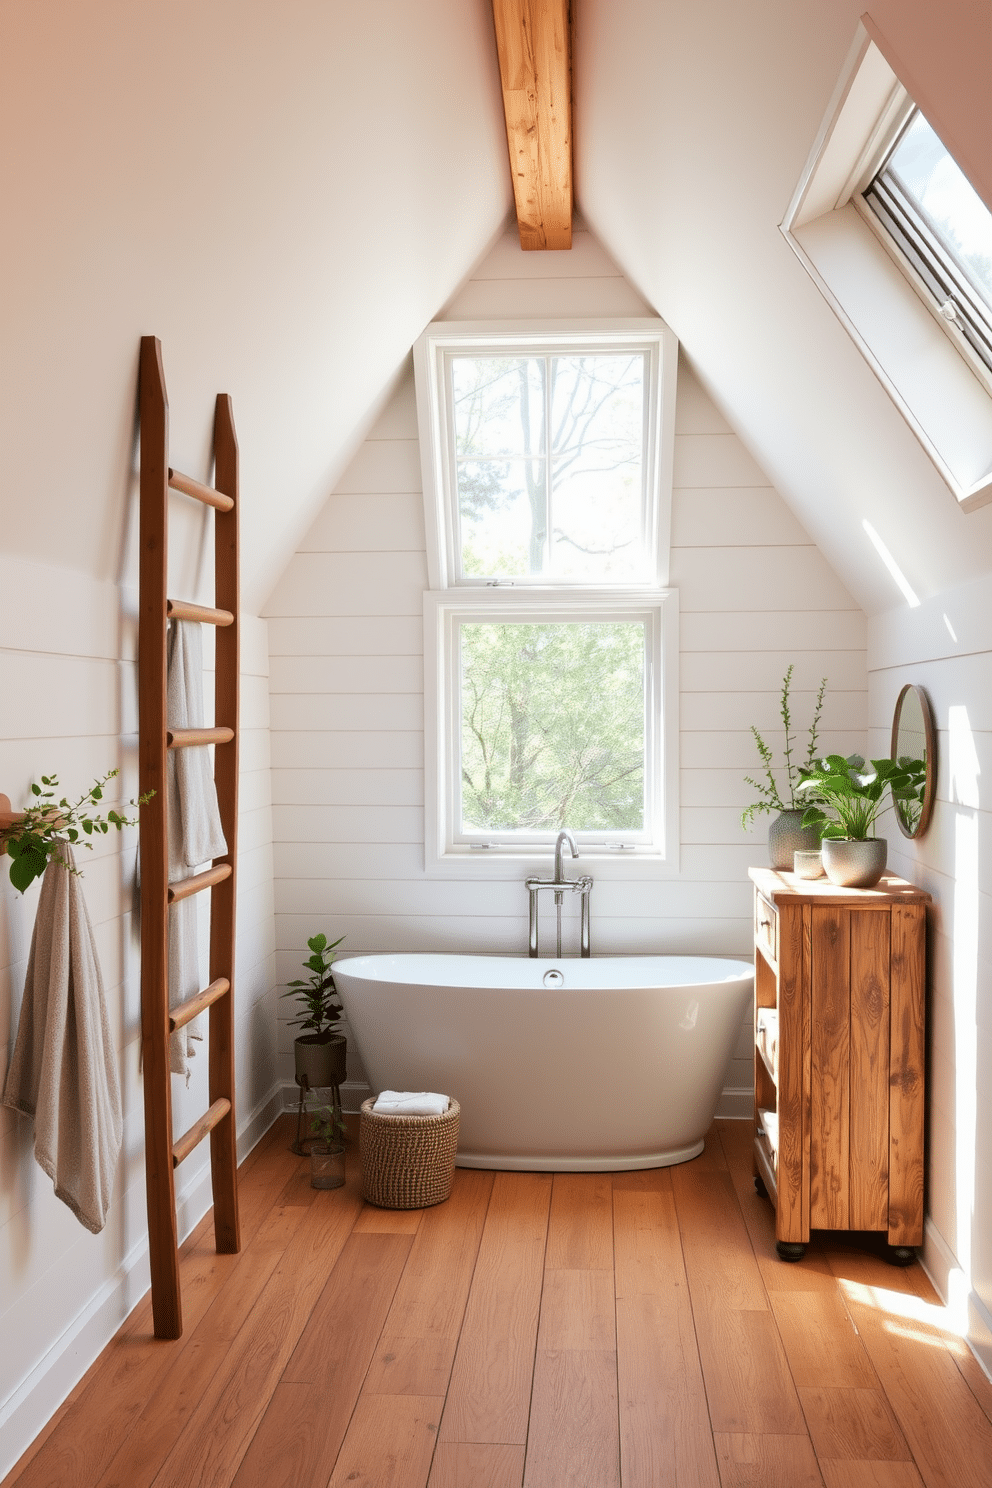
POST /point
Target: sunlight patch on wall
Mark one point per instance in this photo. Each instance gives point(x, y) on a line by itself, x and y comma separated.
point(905, 588)
point(964, 771)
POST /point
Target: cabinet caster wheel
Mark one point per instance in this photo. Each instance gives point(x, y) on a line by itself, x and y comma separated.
point(901, 1255)
point(788, 1250)
point(760, 1186)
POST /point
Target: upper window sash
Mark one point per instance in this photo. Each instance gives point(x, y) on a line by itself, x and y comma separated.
point(559, 554)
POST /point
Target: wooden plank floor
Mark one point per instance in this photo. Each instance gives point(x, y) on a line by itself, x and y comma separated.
point(633, 1330)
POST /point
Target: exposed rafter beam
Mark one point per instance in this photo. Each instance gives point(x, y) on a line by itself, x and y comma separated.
point(534, 43)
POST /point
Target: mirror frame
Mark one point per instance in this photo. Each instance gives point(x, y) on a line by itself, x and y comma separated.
point(930, 743)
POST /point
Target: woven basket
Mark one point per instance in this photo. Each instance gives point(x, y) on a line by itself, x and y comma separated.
point(408, 1162)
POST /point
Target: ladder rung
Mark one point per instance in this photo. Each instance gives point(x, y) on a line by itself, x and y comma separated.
point(184, 1014)
point(199, 491)
point(183, 887)
point(180, 609)
point(199, 1129)
point(187, 738)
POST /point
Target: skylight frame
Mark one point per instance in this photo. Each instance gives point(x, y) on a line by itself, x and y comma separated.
point(920, 254)
point(939, 386)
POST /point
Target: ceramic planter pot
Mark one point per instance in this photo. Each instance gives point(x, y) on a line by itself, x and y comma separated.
point(326, 1165)
point(854, 865)
point(320, 1060)
point(786, 836)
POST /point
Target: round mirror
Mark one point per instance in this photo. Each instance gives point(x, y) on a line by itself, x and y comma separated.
point(914, 743)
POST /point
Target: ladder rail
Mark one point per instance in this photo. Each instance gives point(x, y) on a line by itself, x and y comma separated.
point(163, 1240)
point(162, 1155)
point(227, 697)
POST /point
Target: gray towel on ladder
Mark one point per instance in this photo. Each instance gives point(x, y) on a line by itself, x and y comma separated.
point(63, 1070)
point(195, 832)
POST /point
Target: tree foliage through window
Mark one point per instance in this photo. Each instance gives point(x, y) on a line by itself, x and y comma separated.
point(553, 729)
point(549, 459)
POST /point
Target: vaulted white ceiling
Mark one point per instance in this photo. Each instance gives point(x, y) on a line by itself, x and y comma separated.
point(286, 194)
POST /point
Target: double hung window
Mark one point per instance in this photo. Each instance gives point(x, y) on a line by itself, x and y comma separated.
point(548, 627)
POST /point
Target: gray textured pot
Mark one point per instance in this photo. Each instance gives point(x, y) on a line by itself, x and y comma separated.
point(854, 865)
point(786, 834)
point(320, 1059)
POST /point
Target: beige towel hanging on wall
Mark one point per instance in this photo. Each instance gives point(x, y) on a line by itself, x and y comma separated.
point(63, 1070)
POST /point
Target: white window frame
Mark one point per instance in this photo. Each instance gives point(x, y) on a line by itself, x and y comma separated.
point(446, 848)
point(444, 340)
point(452, 601)
point(940, 387)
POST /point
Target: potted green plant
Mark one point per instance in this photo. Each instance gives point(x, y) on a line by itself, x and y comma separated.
point(325, 1145)
point(786, 832)
point(853, 790)
point(320, 1053)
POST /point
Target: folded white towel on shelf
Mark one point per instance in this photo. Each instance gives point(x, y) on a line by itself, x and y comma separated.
point(410, 1103)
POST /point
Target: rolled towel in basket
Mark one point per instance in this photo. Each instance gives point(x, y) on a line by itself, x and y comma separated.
point(410, 1103)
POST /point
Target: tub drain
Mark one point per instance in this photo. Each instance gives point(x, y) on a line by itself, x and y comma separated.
point(554, 978)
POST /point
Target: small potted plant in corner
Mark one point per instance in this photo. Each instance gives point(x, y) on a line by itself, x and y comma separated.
point(326, 1147)
point(320, 1053)
point(853, 790)
point(786, 832)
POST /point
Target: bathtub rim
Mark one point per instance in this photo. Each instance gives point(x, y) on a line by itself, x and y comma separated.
point(744, 969)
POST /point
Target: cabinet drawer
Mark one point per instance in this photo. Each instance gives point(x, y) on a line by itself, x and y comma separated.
point(766, 926)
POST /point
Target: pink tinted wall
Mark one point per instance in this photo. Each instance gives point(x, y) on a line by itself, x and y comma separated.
point(943, 54)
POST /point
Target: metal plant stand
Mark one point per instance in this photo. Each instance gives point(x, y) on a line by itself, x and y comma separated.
point(298, 1145)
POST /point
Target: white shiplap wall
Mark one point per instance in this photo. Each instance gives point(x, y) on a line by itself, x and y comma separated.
point(945, 646)
point(68, 679)
point(346, 647)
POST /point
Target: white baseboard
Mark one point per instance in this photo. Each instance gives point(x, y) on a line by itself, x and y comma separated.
point(736, 1103)
point(25, 1413)
point(971, 1316)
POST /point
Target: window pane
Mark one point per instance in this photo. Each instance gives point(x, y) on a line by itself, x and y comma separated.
point(499, 406)
point(589, 525)
point(502, 514)
point(553, 730)
point(597, 501)
point(946, 200)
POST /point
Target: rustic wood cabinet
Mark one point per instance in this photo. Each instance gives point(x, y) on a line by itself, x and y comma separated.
point(839, 980)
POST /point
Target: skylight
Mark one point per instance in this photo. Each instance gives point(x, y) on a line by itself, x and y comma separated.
point(942, 226)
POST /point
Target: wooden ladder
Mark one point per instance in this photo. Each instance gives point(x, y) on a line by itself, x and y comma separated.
point(162, 1155)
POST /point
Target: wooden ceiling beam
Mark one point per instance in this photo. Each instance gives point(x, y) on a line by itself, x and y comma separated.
point(533, 38)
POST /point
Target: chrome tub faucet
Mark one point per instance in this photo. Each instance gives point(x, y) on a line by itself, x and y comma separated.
point(561, 885)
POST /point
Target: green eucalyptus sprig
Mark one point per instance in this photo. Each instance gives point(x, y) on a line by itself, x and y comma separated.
point(47, 824)
point(770, 798)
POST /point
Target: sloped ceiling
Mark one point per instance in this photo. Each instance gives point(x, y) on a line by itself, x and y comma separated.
point(286, 194)
point(692, 124)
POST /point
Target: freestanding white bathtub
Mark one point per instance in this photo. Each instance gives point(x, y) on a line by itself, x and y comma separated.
point(559, 1065)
